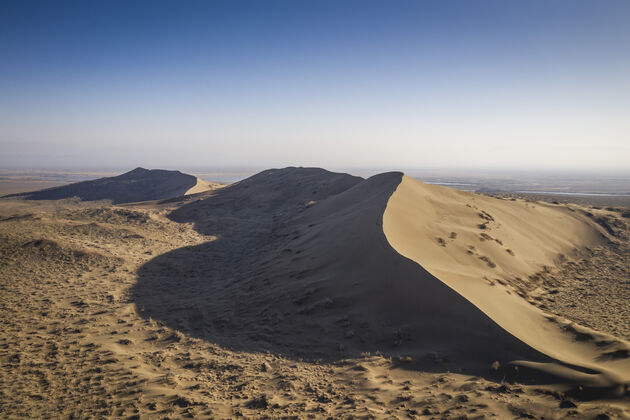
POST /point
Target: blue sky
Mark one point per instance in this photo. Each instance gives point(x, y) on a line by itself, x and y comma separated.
point(392, 84)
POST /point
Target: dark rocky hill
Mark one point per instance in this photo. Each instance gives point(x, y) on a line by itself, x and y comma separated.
point(137, 185)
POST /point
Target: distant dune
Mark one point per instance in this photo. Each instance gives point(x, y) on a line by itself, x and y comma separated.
point(137, 185)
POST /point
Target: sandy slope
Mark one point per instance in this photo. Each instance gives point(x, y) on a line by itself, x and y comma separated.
point(199, 187)
point(476, 244)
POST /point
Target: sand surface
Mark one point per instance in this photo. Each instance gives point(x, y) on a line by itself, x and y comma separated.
point(304, 293)
point(201, 186)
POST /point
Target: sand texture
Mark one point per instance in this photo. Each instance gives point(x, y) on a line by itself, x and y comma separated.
point(302, 293)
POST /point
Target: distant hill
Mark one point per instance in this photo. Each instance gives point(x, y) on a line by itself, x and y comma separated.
point(137, 185)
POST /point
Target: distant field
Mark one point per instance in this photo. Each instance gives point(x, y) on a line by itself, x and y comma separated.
point(19, 186)
point(584, 200)
point(12, 182)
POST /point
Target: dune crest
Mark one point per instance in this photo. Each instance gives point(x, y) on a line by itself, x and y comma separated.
point(200, 186)
point(478, 245)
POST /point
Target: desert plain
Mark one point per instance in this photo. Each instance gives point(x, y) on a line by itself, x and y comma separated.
point(304, 293)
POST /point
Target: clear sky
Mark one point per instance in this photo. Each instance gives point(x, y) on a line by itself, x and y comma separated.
point(396, 84)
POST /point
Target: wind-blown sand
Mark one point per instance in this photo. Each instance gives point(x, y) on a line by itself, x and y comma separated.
point(304, 293)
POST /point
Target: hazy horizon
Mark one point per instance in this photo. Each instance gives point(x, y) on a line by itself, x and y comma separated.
point(458, 86)
point(240, 172)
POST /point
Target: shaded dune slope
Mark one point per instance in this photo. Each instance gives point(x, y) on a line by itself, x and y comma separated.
point(137, 185)
point(301, 266)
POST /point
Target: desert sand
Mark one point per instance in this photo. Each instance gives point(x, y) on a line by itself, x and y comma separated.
point(301, 293)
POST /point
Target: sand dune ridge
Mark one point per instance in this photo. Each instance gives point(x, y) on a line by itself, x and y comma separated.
point(307, 265)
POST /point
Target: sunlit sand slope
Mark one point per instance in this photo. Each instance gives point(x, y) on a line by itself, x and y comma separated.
point(200, 186)
point(479, 245)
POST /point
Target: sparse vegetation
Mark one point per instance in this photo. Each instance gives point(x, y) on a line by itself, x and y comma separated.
point(488, 261)
point(485, 237)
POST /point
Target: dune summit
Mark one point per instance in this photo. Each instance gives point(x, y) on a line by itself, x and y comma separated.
point(318, 265)
point(137, 185)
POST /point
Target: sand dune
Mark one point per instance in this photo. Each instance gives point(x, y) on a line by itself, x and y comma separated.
point(137, 185)
point(436, 277)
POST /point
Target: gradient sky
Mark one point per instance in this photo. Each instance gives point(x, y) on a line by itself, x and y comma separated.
point(397, 84)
